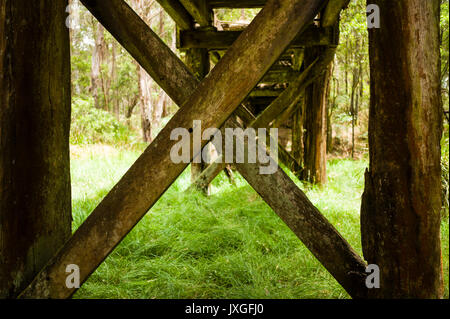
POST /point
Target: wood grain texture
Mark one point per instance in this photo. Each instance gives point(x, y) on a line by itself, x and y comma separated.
point(400, 212)
point(35, 194)
point(212, 102)
point(217, 40)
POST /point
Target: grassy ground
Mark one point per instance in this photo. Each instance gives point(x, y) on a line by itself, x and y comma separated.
point(230, 245)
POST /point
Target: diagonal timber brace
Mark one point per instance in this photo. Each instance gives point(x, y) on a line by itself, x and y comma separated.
point(332, 11)
point(308, 224)
point(178, 13)
point(287, 99)
point(212, 102)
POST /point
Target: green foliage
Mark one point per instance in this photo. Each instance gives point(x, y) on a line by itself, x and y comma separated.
point(90, 125)
point(229, 245)
point(351, 77)
point(242, 15)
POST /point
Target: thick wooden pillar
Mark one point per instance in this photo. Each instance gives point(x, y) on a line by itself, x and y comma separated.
point(400, 213)
point(297, 131)
point(35, 196)
point(197, 60)
point(315, 135)
point(211, 102)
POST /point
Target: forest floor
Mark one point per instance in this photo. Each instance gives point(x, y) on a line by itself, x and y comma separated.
point(228, 245)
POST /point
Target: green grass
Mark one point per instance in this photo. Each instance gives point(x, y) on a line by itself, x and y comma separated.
point(230, 245)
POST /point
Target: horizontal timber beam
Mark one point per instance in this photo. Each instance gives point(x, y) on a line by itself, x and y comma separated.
point(281, 76)
point(219, 40)
point(285, 102)
point(265, 93)
point(212, 102)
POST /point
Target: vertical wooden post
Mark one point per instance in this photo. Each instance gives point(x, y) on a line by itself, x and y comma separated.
point(197, 60)
point(212, 102)
point(297, 131)
point(315, 138)
point(400, 212)
point(297, 128)
point(35, 196)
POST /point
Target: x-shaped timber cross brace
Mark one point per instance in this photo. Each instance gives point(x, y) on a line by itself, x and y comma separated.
point(212, 101)
point(289, 97)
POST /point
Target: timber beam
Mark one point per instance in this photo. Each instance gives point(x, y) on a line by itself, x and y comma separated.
point(211, 102)
point(307, 223)
point(199, 10)
point(221, 40)
point(265, 93)
point(280, 75)
point(178, 13)
point(304, 219)
point(284, 104)
point(332, 12)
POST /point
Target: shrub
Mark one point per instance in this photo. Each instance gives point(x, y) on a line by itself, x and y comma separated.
point(90, 125)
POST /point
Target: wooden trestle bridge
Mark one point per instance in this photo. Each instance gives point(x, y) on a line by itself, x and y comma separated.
point(234, 76)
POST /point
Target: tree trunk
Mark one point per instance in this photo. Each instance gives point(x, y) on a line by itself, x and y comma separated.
point(315, 136)
point(35, 195)
point(114, 97)
point(356, 75)
point(158, 110)
point(97, 58)
point(145, 93)
point(145, 83)
point(400, 212)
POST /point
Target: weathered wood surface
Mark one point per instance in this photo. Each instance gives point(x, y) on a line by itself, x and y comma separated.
point(216, 40)
point(314, 128)
point(178, 13)
point(287, 100)
point(307, 223)
point(280, 76)
point(262, 121)
point(197, 60)
point(332, 11)
point(212, 102)
point(400, 212)
point(265, 92)
point(298, 117)
point(305, 220)
point(199, 10)
point(35, 195)
point(144, 46)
